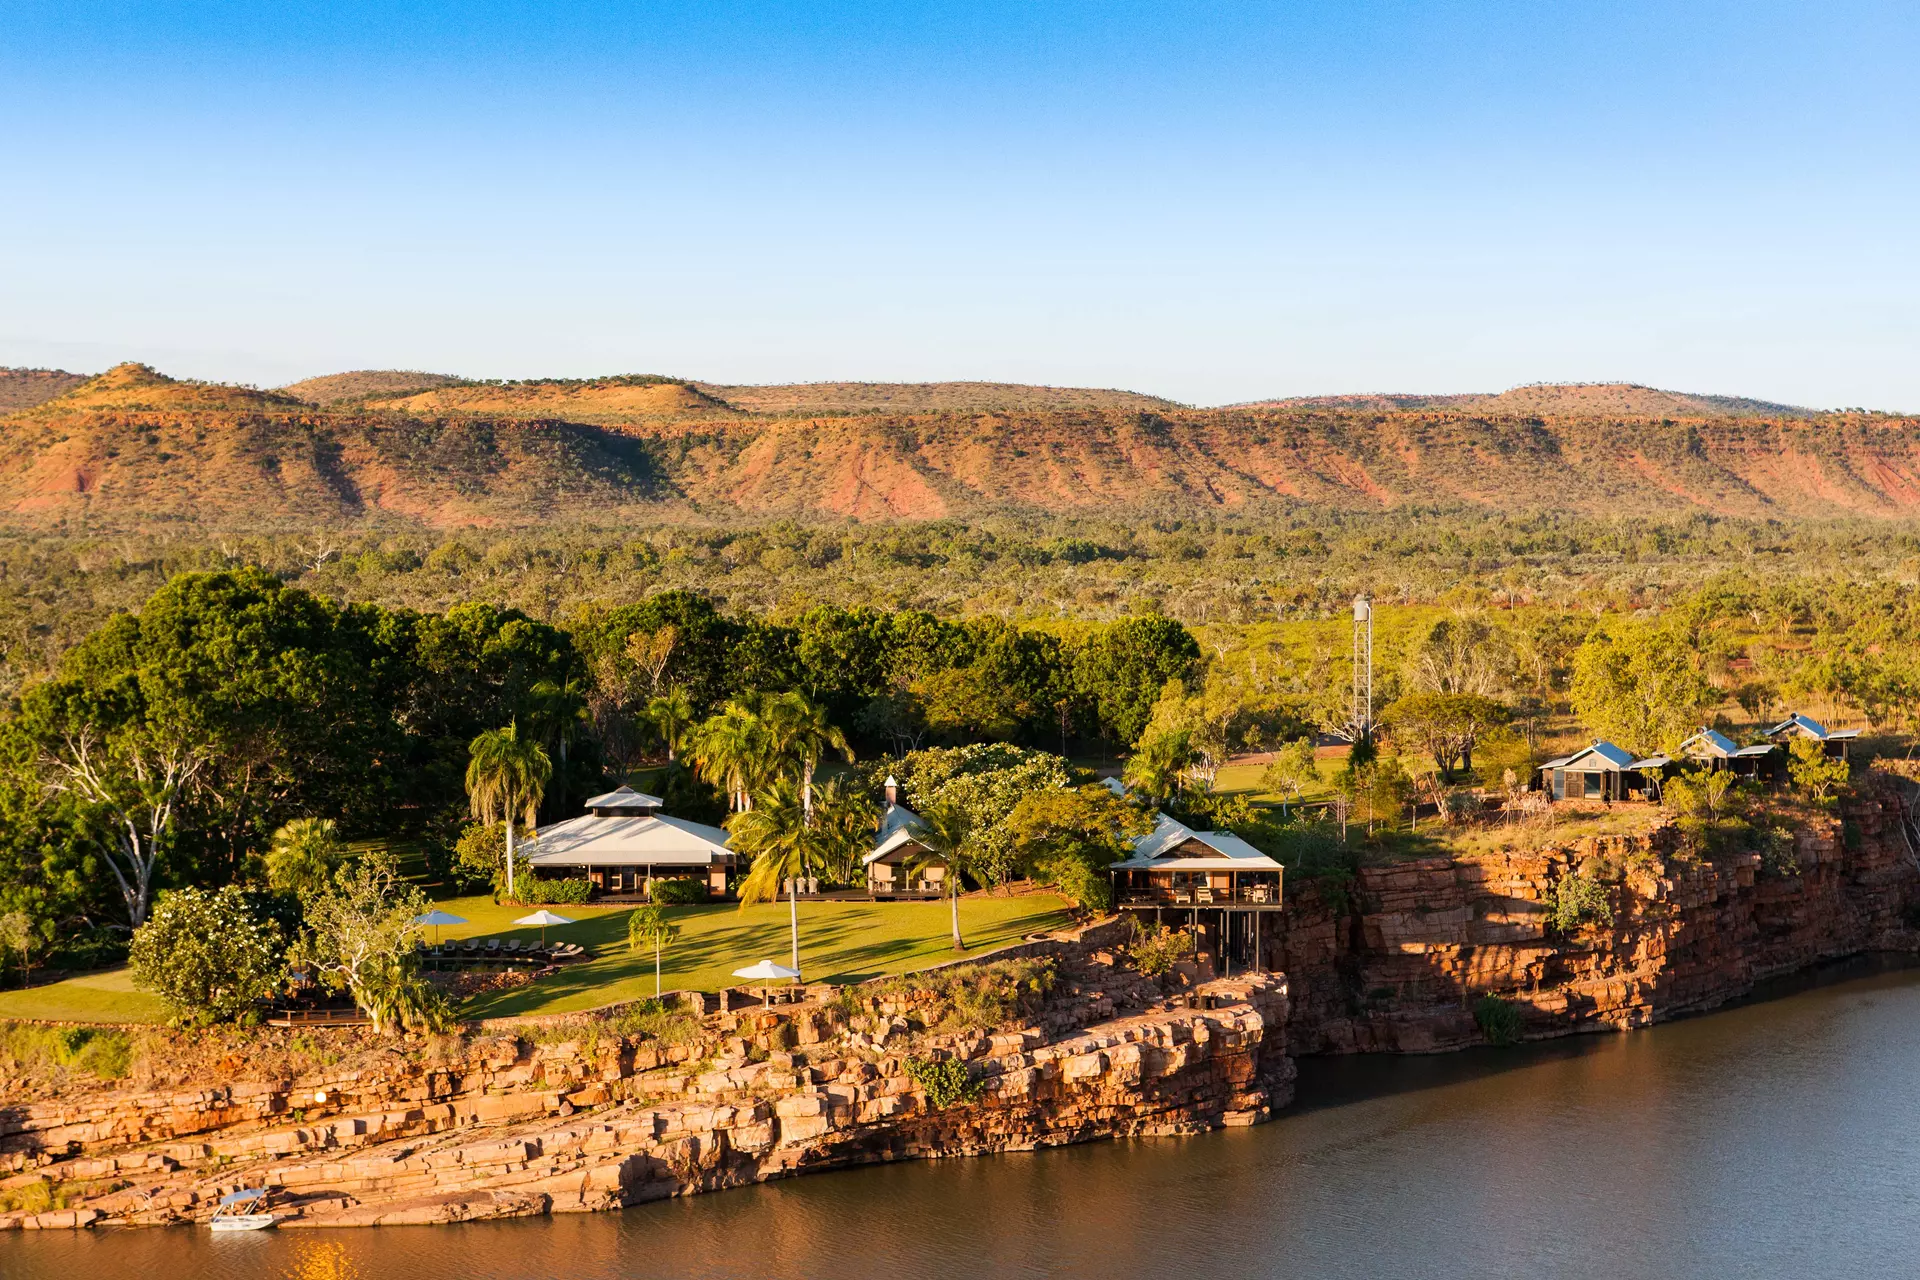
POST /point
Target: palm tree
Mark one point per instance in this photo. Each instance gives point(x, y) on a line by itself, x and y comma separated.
point(844, 820)
point(732, 750)
point(557, 712)
point(777, 836)
point(649, 927)
point(946, 836)
point(303, 855)
point(670, 714)
point(801, 734)
point(1156, 767)
point(506, 778)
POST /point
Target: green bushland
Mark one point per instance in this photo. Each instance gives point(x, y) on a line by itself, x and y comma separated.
point(105, 1052)
point(978, 997)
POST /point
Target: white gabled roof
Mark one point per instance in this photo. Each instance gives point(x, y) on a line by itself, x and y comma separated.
point(625, 798)
point(1758, 749)
point(1651, 762)
point(1159, 851)
point(652, 840)
point(899, 840)
point(897, 818)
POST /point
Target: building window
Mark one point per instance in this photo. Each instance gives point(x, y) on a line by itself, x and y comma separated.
point(1594, 783)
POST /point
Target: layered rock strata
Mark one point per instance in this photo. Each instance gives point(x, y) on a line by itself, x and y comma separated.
point(514, 1129)
point(1397, 961)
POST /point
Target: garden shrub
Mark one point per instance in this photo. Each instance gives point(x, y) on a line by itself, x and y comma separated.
point(537, 892)
point(1500, 1020)
point(946, 1082)
point(1156, 948)
point(678, 892)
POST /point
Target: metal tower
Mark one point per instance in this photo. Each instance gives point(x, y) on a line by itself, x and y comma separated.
point(1361, 722)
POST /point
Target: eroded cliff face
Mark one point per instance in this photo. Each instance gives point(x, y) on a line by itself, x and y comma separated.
point(1398, 965)
point(510, 1128)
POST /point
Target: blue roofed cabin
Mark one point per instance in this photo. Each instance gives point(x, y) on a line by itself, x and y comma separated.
point(1835, 741)
point(1601, 771)
point(624, 842)
point(1715, 751)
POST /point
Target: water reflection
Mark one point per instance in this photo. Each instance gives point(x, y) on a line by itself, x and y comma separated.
point(1774, 1140)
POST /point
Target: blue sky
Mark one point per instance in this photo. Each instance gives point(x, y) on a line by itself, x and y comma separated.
point(1214, 202)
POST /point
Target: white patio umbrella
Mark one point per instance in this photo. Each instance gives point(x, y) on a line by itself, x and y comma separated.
point(543, 918)
point(436, 918)
point(767, 971)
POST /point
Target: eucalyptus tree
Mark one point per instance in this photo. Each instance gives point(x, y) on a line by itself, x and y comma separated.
point(649, 927)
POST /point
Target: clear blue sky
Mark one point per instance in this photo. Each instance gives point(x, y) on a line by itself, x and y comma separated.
point(1214, 202)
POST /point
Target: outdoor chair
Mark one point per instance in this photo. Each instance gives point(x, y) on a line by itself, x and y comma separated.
point(493, 946)
point(1203, 896)
point(470, 946)
point(1183, 896)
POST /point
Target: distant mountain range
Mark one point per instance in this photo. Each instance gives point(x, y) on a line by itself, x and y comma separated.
point(133, 448)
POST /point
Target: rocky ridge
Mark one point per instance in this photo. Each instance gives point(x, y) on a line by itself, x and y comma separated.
point(510, 1127)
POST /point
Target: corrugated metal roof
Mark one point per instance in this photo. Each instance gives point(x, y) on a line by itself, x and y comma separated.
point(1805, 724)
point(1715, 742)
point(1618, 757)
point(1235, 854)
point(1759, 749)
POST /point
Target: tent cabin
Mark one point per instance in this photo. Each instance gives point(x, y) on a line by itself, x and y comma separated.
point(1598, 772)
point(1799, 726)
point(1716, 751)
point(891, 863)
point(623, 843)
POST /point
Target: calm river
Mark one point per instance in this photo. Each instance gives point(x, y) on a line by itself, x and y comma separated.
point(1780, 1139)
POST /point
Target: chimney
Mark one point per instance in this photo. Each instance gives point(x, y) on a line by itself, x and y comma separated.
point(893, 789)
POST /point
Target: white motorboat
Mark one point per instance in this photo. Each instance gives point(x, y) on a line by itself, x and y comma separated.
point(242, 1211)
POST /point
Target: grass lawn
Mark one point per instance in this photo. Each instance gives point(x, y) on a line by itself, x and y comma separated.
point(107, 996)
point(842, 941)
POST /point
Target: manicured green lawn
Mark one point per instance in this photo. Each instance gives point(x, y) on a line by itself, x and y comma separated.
point(841, 941)
point(108, 996)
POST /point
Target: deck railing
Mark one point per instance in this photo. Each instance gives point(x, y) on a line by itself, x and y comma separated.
point(1245, 896)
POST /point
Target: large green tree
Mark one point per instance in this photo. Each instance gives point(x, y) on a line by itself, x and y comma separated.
point(1639, 684)
point(1120, 670)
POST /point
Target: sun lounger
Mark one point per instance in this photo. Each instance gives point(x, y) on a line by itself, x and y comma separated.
point(470, 946)
point(493, 946)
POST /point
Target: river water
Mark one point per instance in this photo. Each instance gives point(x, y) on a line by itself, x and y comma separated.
point(1778, 1139)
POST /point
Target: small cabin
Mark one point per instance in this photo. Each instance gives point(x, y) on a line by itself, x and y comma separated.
point(1714, 751)
point(899, 864)
point(1601, 771)
point(1835, 741)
